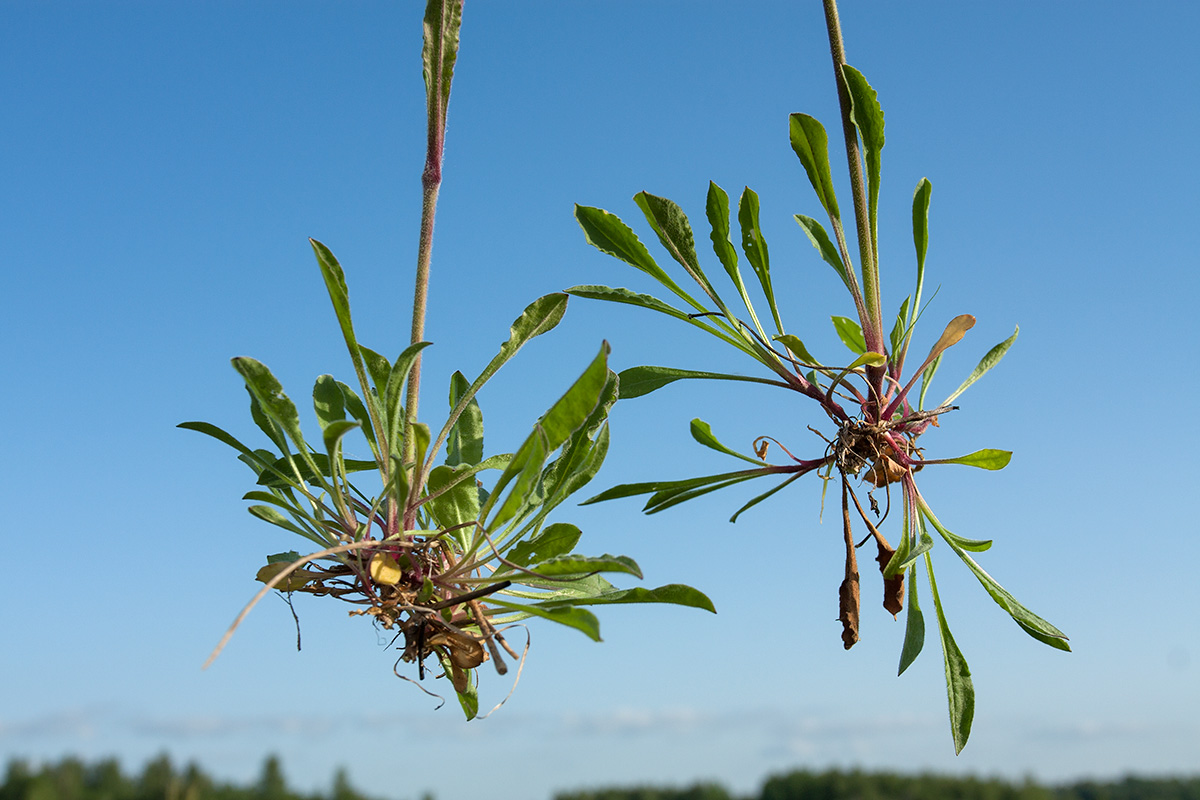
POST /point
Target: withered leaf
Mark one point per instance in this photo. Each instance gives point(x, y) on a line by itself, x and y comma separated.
point(848, 604)
point(893, 588)
point(291, 583)
point(463, 651)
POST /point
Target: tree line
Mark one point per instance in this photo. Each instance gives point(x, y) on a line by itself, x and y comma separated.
point(72, 779)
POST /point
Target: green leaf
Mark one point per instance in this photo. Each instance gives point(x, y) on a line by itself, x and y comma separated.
point(755, 248)
point(573, 408)
point(328, 402)
point(393, 392)
point(984, 459)
point(442, 23)
point(926, 379)
point(311, 470)
point(850, 332)
point(222, 436)
point(620, 295)
point(914, 625)
point(458, 504)
point(465, 444)
point(638, 381)
point(378, 367)
point(578, 618)
point(986, 363)
point(867, 115)
point(272, 516)
point(663, 490)
point(571, 411)
point(538, 317)
point(630, 298)
point(717, 210)
point(703, 434)
point(576, 564)
point(555, 540)
point(798, 349)
point(828, 250)
point(675, 593)
point(608, 234)
point(920, 216)
point(959, 690)
point(812, 148)
point(900, 328)
point(270, 396)
point(332, 437)
point(675, 233)
point(267, 425)
point(904, 557)
point(283, 558)
point(358, 411)
point(339, 295)
point(755, 501)
point(1031, 623)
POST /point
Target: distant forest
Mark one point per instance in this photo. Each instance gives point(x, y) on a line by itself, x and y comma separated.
point(72, 779)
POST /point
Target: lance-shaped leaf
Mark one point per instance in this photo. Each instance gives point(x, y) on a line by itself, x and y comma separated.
point(555, 540)
point(268, 514)
point(703, 434)
point(850, 332)
point(812, 147)
point(828, 250)
point(899, 332)
point(675, 233)
point(457, 499)
point(253, 457)
point(920, 218)
point(952, 335)
point(570, 412)
point(986, 363)
point(443, 20)
point(269, 396)
point(756, 500)
point(575, 564)
point(465, 443)
point(984, 459)
point(393, 391)
point(798, 349)
point(538, 317)
point(674, 593)
point(755, 248)
point(960, 692)
point(1031, 623)
point(717, 209)
point(663, 491)
point(906, 555)
point(608, 234)
point(332, 436)
point(638, 381)
point(328, 401)
point(578, 618)
point(313, 470)
point(867, 116)
point(914, 625)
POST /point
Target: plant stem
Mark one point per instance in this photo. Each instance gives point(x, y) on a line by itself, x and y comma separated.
point(442, 21)
point(873, 325)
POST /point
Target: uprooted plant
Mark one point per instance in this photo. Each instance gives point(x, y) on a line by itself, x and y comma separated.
point(877, 421)
point(433, 553)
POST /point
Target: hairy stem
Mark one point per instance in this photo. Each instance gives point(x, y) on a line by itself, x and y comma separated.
point(873, 323)
point(442, 20)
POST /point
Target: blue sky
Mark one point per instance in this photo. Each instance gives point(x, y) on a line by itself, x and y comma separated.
point(161, 166)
